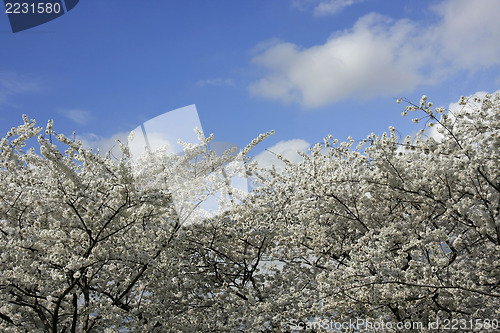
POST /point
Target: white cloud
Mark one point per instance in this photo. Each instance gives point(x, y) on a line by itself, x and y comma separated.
point(469, 32)
point(155, 141)
point(370, 59)
point(333, 6)
point(218, 82)
point(379, 56)
point(324, 7)
point(104, 144)
point(80, 117)
point(288, 149)
point(162, 131)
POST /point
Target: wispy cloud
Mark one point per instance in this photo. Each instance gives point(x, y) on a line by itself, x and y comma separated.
point(324, 7)
point(78, 116)
point(218, 82)
point(12, 84)
point(379, 56)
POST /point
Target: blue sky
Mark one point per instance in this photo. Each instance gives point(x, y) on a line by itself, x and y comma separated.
point(305, 68)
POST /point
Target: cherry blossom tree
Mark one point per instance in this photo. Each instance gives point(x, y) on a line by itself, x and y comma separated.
point(385, 229)
point(91, 244)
